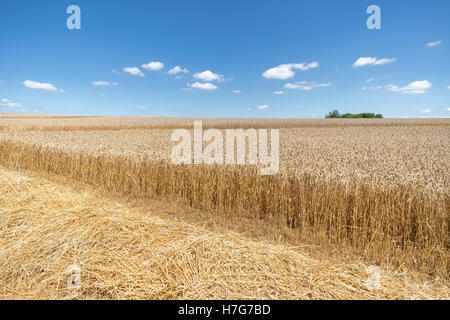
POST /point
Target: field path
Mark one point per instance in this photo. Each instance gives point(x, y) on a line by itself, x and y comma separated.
point(130, 253)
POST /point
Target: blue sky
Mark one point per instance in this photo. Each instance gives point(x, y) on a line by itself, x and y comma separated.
point(319, 54)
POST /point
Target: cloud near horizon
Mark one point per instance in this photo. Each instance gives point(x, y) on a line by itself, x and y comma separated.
point(285, 71)
point(202, 86)
point(41, 86)
point(208, 76)
point(434, 43)
point(134, 71)
point(104, 83)
point(178, 69)
point(10, 104)
point(305, 85)
point(153, 66)
point(416, 87)
point(372, 88)
point(368, 61)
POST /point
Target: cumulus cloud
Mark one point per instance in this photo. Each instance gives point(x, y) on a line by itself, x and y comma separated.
point(116, 72)
point(305, 85)
point(448, 109)
point(278, 92)
point(368, 61)
point(416, 87)
point(153, 66)
point(104, 83)
point(370, 80)
point(208, 76)
point(434, 43)
point(236, 91)
point(426, 111)
point(40, 85)
point(202, 86)
point(140, 107)
point(10, 104)
point(134, 71)
point(262, 107)
point(286, 71)
point(178, 69)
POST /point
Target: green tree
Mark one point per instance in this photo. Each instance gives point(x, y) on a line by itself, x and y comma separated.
point(365, 115)
point(333, 114)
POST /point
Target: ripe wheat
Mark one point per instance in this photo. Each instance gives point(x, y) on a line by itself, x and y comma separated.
point(348, 186)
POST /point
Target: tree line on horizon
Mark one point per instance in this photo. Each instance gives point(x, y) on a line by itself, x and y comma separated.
point(336, 114)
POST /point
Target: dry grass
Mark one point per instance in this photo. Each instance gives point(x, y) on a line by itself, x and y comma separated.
point(126, 252)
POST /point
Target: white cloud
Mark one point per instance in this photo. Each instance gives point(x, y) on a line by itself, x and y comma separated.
point(434, 43)
point(370, 80)
point(416, 87)
point(448, 87)
point(236, 91)
point(8, 103)
point(371, 88)
point(140, 107)
point(104, 83)
point(426, 111)
point(365, 61)
point(178, 69)
point(153, 66)
point(262, 107)
point(448, 109)
point(116, 72)
point(134, 71)
point(278, 92)
point(285, 71)
point(202, 86)
point(304, 85)
point(39, 85)
point(208, 76)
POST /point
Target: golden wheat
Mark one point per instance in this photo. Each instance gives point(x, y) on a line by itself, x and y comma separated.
point(79, 123)
point(380, 189)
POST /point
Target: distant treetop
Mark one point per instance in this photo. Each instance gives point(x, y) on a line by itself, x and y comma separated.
point(336, 114)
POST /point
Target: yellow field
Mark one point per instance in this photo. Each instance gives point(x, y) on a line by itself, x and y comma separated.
point(351, 193)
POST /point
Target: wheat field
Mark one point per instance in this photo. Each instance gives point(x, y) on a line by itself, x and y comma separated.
point(351, 193)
